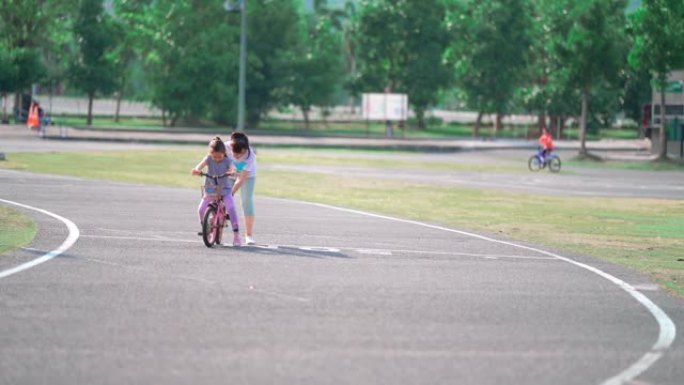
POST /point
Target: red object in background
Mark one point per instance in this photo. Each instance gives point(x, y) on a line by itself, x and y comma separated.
point(646, 115)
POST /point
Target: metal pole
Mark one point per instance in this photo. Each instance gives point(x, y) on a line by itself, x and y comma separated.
point(243, 60)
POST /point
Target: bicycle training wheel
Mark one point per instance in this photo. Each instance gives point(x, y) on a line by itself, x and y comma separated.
point(534, 164)
point(209, 229)
point(555, 164)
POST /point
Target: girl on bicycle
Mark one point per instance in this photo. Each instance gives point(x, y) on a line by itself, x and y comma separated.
point(546, 142)
point(218, 163)
point(244, 160)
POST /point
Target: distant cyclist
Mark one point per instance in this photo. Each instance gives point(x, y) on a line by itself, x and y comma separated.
point(546, 143)
point(218, 164)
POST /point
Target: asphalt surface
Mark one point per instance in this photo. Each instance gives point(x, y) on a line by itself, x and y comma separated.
point(344, 298)
point(328, 297)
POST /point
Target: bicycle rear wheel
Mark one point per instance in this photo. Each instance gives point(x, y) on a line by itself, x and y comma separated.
point(555, 164)
point(209, 229)
point(534, 164)
point(220, 225)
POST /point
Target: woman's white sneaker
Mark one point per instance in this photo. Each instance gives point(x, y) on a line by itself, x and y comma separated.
point(249, 240)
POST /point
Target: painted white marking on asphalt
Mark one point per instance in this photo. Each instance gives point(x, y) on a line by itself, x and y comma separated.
point(329, 249)
point(144, 239)
point(279, 295)
point(71, 239)
point(321, 249)
point(374, 251)
point(667, 328)
point(646, 287)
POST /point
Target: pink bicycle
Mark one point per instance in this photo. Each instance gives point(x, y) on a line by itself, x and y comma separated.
point(216, 217)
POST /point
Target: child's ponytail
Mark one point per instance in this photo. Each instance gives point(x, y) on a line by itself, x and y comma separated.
point(217, 145)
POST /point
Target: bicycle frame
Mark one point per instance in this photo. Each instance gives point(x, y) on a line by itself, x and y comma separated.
point(552, 160)
point(218, 205)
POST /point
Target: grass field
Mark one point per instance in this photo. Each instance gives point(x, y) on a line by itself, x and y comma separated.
point(645, 234)
point(435, 128)
point(16, 230)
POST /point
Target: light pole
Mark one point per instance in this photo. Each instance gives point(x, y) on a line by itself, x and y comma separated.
point(242, 8)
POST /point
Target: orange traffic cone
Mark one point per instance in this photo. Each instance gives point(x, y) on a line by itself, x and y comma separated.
point(33, 120)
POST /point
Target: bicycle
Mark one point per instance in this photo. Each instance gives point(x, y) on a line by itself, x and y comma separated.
point(539, 161)
point(216, 217)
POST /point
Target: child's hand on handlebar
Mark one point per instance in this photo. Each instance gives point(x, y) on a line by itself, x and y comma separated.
point(196, 172)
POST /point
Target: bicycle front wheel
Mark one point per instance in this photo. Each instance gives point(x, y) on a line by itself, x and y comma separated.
point(534, 164)
point(209, 229)
point(555, 164)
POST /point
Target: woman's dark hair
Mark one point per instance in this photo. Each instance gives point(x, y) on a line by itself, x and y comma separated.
point(240, 142)
point(217, 145)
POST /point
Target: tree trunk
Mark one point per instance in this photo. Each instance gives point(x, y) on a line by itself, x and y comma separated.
point(420, 118)
point(163, 117)
point(89, 122)
point(662, 151)
point(583, 122)
point(4, 107)
point(17, 105)
point(478, 124)
point(119, 96)
point(305, 113)
point(561, 128)
point(499, 124)
point(553, 126)
point(541, 120)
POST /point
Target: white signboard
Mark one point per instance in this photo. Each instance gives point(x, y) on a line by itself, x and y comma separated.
point(385, 106)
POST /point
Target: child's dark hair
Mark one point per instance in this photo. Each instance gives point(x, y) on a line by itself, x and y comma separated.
point(217, 145)
point(240, 142)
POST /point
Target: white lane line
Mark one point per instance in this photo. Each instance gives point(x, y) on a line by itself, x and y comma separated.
point(143, 239)
point(70, 240)
point(331, 249)
point(667, 327)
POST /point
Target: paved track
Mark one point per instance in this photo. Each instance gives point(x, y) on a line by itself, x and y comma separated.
point(572, 181)
point(343, 298)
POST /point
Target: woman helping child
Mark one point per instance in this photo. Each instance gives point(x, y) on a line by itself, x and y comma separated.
point(244, 161)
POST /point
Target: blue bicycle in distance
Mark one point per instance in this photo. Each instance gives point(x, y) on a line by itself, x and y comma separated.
point(539, 161)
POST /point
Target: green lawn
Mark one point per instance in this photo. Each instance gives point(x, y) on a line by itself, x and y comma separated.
point(645, 234)
point(435, 129)
point(16, 230)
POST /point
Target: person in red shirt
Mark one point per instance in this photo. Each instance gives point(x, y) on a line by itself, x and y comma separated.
point(546, 143)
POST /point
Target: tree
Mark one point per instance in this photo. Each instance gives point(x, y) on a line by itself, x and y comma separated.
point(93, 72)
point(637, 93)
point(315, 67)
point(267, 68)
point(593, 51)
point(128, 15)
point(191, 69)
point(401, 48)
point(33, 36)
point(547, 91)
point(659, 47)
point(8, 74)
point(491, 48)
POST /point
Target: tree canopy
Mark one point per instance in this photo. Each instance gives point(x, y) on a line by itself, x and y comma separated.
point(549, 58)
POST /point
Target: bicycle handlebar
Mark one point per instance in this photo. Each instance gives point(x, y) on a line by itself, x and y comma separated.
point(215, 178)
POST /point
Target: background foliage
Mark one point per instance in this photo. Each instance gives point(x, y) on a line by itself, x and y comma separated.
point(494, 56)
